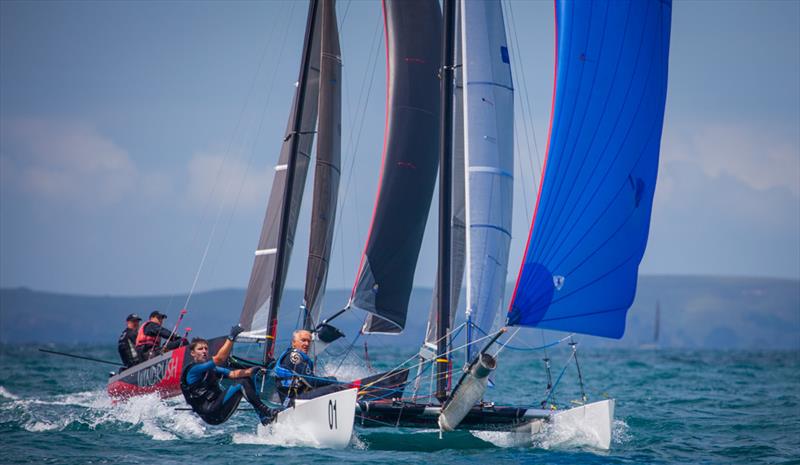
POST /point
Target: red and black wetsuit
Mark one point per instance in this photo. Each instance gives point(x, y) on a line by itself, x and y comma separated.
point(149, 338)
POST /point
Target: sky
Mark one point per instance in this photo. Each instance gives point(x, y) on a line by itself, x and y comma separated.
point(138, 139)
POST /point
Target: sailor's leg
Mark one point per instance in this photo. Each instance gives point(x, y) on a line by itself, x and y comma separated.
point(248, 387)
point(223, 406)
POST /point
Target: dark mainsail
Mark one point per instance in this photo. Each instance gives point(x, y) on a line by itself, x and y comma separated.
point(411, 141)
point(327, 171)
point(277, 232)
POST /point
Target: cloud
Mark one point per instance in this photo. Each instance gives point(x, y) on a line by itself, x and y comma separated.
point(213, 178)
point(727, 202)
point(758, 157)
point(64, 162)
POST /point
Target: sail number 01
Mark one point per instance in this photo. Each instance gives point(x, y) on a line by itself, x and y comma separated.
point(333, 421)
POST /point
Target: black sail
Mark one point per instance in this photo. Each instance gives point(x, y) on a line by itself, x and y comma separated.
point(411, 141)
point(262, 288)
point(327, 170)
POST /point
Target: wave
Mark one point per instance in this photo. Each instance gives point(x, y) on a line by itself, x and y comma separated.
point(95, 410)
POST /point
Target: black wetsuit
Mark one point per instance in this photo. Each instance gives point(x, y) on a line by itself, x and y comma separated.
point(200, 384)
point(126, 345)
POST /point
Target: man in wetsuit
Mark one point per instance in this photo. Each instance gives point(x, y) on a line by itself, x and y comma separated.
point(202, 391)
point(126, 345)
point(294, 372)
point(148, 339)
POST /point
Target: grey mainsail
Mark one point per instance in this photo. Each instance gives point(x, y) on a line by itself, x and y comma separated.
point(385, 278)
point(274, 246)
point(327, 171)
point(489, 159)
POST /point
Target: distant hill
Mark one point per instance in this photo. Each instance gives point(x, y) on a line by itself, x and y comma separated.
point(696, 311)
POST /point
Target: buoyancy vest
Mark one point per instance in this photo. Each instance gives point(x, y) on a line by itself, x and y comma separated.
point(143, 339)
point(284, 375)
point(203, 393)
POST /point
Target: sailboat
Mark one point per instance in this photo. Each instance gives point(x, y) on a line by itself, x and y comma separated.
point(591, 221)
point(324, 417)
point(588, 232)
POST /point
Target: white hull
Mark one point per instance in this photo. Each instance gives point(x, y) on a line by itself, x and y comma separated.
point(588, 425)
point(326, 421)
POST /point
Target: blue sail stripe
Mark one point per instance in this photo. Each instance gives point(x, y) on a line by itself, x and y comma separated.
point(490, 83)
point(491, 226)
point(490, 170)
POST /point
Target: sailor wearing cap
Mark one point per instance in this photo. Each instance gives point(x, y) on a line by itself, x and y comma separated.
point(126, 345)
point(148, 339)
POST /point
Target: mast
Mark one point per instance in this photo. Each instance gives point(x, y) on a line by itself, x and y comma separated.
point(657, 323)
point(294, 135)
point(445, 207)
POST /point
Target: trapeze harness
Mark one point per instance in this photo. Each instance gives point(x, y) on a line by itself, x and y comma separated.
point(202, 394)
point(286, 378)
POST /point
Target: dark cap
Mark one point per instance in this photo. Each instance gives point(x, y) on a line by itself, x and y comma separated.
point(133, 317)
point(158, 314)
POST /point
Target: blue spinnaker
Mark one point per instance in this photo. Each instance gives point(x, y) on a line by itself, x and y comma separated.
point(592, 215)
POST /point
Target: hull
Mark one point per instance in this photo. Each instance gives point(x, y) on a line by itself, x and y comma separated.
point(160, 375)
point(592, 423)
point(387, 385)
point(324, 421)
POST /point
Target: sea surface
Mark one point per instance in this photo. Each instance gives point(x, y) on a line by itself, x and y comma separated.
point(672, 407)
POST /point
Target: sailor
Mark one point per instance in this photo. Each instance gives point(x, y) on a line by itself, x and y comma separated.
point(148, 339)
point(126, 345)
point(201, 389)
point(294, 372)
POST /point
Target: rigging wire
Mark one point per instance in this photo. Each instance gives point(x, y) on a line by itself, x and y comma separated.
point(218, 177)
point(524, 97)
point(363, 100)
point(253, 138)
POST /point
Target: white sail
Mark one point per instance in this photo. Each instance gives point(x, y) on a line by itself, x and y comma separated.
point(489, 159)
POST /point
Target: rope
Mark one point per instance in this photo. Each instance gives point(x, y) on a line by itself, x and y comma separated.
point(558, 380)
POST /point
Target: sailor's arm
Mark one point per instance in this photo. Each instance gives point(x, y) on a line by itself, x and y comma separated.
point(243, 373)
point(302, 369)
point(222, 354)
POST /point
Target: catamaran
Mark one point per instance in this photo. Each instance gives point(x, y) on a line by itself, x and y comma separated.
point(450, 108)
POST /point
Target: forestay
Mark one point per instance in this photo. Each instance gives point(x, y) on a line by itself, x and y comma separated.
point(592, 215)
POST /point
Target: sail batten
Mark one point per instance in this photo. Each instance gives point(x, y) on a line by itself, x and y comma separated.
point(592, 215)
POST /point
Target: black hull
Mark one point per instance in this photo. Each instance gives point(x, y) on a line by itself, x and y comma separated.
point(488, 417)
point(387, 385)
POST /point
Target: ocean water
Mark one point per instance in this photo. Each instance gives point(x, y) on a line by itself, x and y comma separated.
point(672, 407)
